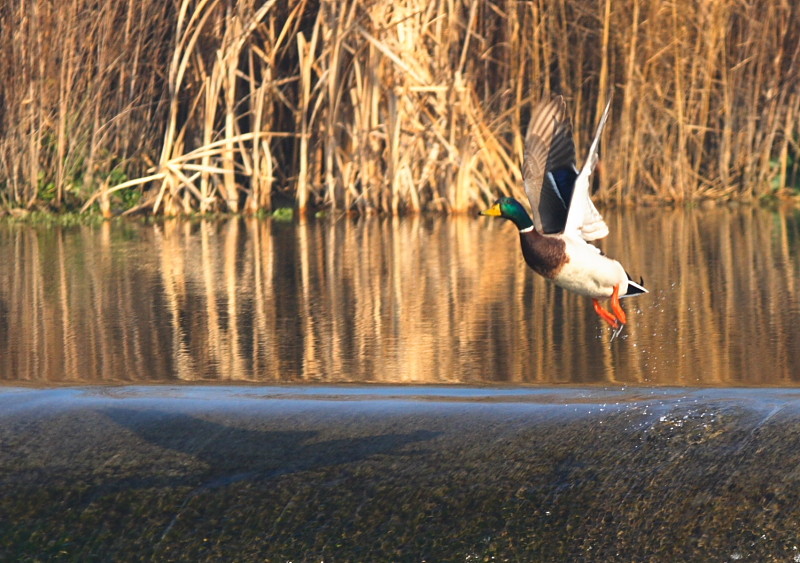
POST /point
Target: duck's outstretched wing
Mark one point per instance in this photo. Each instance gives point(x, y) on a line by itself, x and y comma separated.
point(583, 219)
point(548, 169)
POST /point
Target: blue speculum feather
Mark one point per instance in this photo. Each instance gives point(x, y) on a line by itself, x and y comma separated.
point(565, 182)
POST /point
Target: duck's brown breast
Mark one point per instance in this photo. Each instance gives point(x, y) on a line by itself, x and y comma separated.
point(545, 255)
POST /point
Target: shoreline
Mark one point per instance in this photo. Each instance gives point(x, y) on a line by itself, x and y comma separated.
point(399, 473)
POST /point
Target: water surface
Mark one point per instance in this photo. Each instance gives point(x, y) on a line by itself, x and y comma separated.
point(411, 300)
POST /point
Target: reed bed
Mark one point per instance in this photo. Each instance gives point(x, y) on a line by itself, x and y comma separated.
point(387, 106)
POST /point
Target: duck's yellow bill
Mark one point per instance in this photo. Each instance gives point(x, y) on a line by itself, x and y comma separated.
point(493, 211)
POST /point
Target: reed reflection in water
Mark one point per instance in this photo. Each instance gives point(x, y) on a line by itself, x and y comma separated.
point(414, 300)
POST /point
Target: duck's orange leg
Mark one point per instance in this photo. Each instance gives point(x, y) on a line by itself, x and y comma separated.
point(605, 315)
point(616, 307)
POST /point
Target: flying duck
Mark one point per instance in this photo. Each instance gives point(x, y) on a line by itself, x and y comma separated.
point(556, 241)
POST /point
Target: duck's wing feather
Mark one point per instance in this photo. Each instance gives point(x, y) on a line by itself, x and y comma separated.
point(548, 169)
point(583, 219)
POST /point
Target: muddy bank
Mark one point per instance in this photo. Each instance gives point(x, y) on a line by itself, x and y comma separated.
point(402, 474)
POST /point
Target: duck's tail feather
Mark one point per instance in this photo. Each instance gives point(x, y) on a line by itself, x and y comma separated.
point(634, 288)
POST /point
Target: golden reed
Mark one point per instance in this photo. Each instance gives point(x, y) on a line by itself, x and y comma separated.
point(386, 106)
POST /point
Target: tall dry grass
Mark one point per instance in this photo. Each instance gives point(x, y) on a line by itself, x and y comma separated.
point(372, 105)
point(80, 95)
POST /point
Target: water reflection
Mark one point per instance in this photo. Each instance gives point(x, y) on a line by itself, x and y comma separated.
point(395, 300)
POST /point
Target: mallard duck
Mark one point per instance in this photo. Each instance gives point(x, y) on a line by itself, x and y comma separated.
point(556, 241)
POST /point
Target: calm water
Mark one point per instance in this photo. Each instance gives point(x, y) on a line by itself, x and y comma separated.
point(416, 300)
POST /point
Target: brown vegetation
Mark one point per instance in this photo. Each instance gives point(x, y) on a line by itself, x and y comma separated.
point(203, 105)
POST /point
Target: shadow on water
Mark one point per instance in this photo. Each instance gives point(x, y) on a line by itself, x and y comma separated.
point(230, 453)
point(87, 483)
point(415, 300)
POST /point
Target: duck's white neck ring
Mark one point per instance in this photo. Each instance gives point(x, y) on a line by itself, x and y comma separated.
point(526, 230)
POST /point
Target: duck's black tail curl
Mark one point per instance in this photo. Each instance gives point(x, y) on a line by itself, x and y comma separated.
point(634, 288)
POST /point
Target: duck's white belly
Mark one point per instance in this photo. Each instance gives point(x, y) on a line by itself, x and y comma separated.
point(590, 273)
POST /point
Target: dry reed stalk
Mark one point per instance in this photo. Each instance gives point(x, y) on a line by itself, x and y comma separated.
point(62, 84)
point(391, 106)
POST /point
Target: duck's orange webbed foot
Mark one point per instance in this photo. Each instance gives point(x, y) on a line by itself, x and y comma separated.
point(618, 319)
point(616, 307)
point(605, 315)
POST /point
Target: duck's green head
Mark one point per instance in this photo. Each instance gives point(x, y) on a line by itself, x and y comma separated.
point(509, 208)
